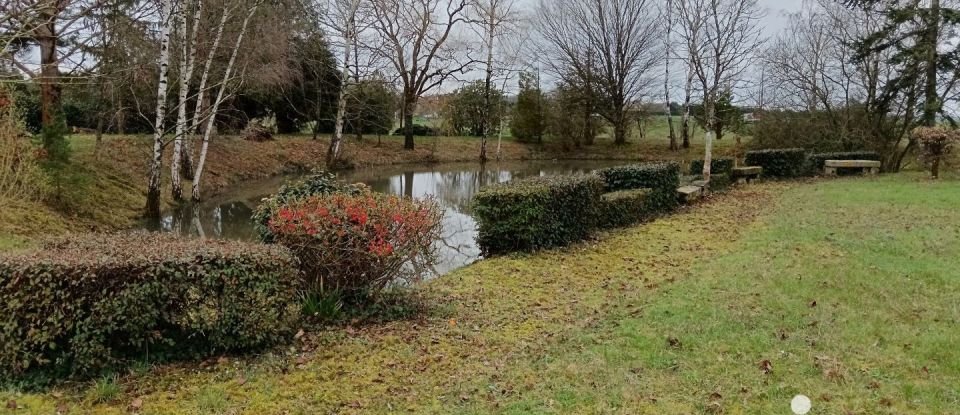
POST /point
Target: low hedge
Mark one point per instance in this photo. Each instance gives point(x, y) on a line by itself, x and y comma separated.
point(623, 208)
point(718, 166)
point(662, 178)
point(536, 213)
point(784, 163)
point(317, 183)
point(86, 303)
point(815, 161)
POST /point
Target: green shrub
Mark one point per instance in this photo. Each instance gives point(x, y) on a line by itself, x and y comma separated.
point(536, 213)
point(623, 208)
point(85, 303)
point(662, 178)
point(317, 183)
point(787, 162)
point(815, 161)
point(717, 166)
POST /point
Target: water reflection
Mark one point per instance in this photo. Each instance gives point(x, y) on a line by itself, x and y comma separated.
point(452, 185)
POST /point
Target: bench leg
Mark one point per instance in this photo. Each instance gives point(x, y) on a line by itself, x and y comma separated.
point(829, 171)
point(742, 180)
point(874, 171)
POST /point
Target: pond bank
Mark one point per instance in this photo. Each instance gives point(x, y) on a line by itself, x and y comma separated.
point(109, 192)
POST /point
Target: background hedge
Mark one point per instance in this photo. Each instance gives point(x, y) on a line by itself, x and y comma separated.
point(536, 213)
point(788, 162)
point(623, 208)
point(89, 302)
point(662, 178)
point(815, 161)
point(718, 166)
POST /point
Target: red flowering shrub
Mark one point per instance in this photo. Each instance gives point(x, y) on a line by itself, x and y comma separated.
point(358, 243)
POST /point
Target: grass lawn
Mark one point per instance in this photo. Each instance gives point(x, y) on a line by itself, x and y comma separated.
point(844, 290)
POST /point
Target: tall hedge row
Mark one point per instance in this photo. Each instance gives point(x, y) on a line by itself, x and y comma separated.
point(782, 163)
point(536, 213)
point(662, 178)
point(86, 303)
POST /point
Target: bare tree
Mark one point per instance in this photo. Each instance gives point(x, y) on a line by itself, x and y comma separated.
point(494, 18)
point(611, 43)
point(720, 38)
point(341, 17)
point(61, 30)
point(221, 96)
point(415, 37)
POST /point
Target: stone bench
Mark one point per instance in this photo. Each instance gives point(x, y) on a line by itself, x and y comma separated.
point(688, 194)
point(746, 174)
point(830, 167)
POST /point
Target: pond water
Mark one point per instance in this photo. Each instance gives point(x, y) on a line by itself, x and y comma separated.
point(452, 185)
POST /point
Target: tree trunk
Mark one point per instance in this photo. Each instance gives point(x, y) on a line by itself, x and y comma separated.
point(49, 65)
point(202, 100)
point(932, 103)
point(487, 100)
point(687, 91)
point(708, 139)
point(620, 131)
point(153, 185)
point(216, 104)
point(409, 105)
point(666, 79)
point(333, 152)
point(935, 168)
point(186, 73)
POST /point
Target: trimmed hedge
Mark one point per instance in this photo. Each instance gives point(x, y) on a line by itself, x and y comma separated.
point(86, 303)
point(317, 183)
point(623, 208)
point(536, 213)
point(718, 166)
point(787, 162)
point(815, 161)
point(662, 178)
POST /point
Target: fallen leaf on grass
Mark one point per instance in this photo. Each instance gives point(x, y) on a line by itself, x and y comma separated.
point(766, 366)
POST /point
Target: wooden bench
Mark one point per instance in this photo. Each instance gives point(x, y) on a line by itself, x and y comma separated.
point(746, 174)
point(830, 167)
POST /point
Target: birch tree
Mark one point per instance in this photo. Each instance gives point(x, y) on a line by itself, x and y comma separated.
point(163, 61)
point(495, 19)
point(720, 38)
point(615, 40)
point(221, 96)
point(181, 152)
point(342, 18)
point(415, 37)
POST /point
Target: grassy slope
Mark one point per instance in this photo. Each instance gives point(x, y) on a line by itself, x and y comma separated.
point(585, 330)
point(110, 192)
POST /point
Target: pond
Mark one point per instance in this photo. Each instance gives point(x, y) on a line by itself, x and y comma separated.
point(453, 186)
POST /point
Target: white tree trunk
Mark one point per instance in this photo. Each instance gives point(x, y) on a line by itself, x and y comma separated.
point(349, 33)
point(708, 139)
point(187, 60)
point(205, 76)
point(163, 61)
point(212, 117)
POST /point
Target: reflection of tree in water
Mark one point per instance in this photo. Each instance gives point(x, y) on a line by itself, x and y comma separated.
point(453, 186)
